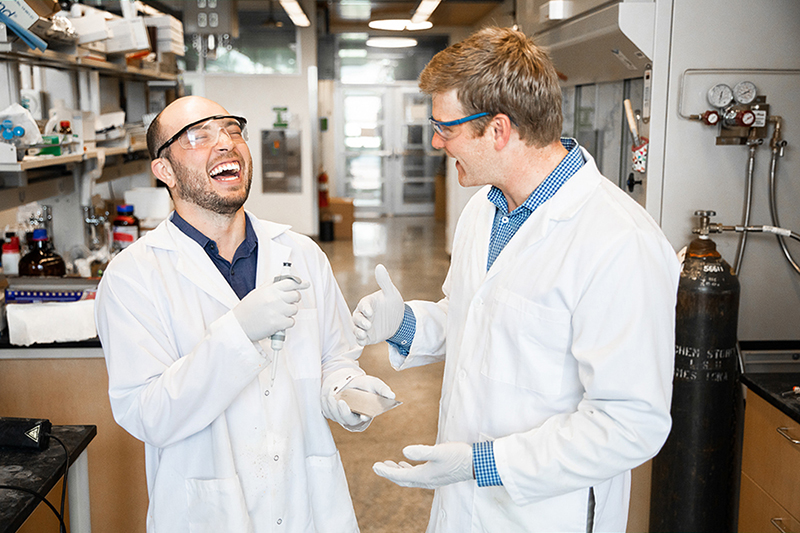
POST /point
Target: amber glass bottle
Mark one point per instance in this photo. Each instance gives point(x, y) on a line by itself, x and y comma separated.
point(42, 260)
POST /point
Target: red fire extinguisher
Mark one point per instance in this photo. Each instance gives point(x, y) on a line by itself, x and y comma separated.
point(322, 187)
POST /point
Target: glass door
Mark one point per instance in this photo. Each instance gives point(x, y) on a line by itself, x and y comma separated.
point(386, 162)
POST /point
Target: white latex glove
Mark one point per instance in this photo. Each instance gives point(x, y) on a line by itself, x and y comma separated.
point(379, 315)
point(269, 308)
point(449, 462)
point(339, 411)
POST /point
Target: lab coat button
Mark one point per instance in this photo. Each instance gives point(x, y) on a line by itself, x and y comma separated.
point(462, 374)
point(279, 521)
point(266, 392)
point(276, 457)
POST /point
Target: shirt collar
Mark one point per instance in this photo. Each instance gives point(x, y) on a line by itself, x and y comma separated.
point(563, 171)
point(250, 238)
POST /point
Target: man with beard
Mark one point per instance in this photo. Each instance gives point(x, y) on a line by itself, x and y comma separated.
point(185, 315)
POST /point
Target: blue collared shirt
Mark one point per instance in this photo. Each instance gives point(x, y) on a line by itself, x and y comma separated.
point(239, 273)
point(504, 227)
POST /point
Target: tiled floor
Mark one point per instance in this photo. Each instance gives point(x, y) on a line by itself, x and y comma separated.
point(412, 249)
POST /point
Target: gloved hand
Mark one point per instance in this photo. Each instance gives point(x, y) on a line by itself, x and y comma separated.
point(339, 411)
point(269, 308)
point(379, 315)
point(449, 462)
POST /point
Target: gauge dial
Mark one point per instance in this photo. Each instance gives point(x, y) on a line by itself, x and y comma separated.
point(720, 95)
point(744, 92)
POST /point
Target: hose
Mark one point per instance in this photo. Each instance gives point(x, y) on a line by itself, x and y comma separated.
point(773, 207)
point(747, 205)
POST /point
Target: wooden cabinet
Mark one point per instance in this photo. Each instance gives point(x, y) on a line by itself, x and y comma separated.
point(770, 491)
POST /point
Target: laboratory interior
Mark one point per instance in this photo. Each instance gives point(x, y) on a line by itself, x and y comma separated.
point(690, 106)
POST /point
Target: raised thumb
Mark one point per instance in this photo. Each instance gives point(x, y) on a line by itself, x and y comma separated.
point(383, 279)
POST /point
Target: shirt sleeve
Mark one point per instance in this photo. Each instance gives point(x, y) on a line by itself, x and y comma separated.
point(484, 466)
point(405, 334)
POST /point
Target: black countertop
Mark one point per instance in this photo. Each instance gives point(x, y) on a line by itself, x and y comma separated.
point(38, 471)
point(771, 387)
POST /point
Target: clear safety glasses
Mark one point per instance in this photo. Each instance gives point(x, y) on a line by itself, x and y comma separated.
point(205, 132)
point(443, 128)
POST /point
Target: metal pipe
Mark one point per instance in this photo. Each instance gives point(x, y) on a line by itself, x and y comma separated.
point(778, 144)
point(748, 200)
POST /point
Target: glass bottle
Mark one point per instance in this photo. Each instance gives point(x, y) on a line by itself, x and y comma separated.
point(126, 227)
point(42, 260)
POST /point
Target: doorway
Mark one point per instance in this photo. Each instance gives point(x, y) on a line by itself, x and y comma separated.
point(384, 145)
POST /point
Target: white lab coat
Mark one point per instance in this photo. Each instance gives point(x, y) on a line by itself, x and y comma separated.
point(225, 452)
point(562, 354)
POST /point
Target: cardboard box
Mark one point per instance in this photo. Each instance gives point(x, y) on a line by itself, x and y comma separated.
point(342, 212)
point(129, 35)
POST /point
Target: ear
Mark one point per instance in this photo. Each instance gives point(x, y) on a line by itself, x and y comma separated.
point(163, 171)
point(501, 129)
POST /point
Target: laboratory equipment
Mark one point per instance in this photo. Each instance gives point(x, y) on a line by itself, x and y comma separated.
point(276, 341)
point(126, 227)
point(695, 475)
point(42, 260)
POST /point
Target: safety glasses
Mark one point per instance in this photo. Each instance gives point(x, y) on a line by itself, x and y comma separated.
point(443, 128)
point(205, 132)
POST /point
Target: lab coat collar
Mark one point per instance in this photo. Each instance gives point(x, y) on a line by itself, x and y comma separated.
point(193, 261)
point(563, 205)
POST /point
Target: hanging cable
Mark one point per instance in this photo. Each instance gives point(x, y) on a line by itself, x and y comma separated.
point(748, 201)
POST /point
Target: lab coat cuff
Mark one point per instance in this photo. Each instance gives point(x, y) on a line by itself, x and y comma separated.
point(501, 459)
point(339, 379)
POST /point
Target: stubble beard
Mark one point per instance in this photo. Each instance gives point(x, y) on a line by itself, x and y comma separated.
point(193, 186)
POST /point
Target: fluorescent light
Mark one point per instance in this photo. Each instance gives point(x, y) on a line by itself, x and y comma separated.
point(399, 25)
point(391, 42)
point(295, 13)
point(424, 10)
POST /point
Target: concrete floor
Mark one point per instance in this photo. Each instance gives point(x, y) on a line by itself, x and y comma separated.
point(413, 251)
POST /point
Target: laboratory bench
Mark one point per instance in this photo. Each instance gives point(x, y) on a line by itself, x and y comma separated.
point(770, 494)
point(67, 383)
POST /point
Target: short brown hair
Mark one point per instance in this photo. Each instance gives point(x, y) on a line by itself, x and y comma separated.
point(500, 70)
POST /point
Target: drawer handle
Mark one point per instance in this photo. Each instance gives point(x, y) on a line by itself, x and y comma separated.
point(786, 436)
point(777, 523)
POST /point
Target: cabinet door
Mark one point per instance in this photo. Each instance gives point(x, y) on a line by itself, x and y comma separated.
point(759, 512)
point(771, 460)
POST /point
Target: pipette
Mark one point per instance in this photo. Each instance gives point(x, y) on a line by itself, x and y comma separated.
point(278, 338)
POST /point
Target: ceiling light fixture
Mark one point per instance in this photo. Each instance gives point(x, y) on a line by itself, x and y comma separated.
point(296, 13)
point(424, 10)
point(391, 42)
point(399, 25)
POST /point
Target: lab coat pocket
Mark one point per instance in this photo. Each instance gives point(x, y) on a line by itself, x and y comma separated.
point(303, 347)
point(527, 343)
point(331, 506)
point(217, 506)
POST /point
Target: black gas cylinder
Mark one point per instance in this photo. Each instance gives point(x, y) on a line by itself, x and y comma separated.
point(695, 476)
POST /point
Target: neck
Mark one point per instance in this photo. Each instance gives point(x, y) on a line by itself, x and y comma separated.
point(527, 168)
point(228, 231)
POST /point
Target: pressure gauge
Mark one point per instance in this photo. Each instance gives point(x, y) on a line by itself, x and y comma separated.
point(744, 92)
point(720, 95)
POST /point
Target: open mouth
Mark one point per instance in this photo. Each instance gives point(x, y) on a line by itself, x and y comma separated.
point(225, 171)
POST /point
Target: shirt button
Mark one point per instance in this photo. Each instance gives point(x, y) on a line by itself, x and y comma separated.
point(403, 342)
point(505, 220)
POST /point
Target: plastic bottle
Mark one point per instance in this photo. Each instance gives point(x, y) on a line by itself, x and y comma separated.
point(126, 227)
point(42, 260)
point(11, 257)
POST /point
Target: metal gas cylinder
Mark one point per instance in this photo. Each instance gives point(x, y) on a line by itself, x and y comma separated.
point(695, 476)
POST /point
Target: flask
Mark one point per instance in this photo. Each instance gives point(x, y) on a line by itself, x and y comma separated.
point(42, 260)
point(11, 257)
point(126, 227)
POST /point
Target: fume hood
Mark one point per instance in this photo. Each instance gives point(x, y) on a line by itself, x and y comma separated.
point(613, 41)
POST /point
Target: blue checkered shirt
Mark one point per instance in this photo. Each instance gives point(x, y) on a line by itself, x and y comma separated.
point(504, 227)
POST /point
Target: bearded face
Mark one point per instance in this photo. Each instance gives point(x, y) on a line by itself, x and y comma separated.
point(199, 188)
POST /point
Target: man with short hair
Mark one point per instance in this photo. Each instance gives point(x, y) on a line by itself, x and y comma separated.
point(185, 316)
point(557, 322)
